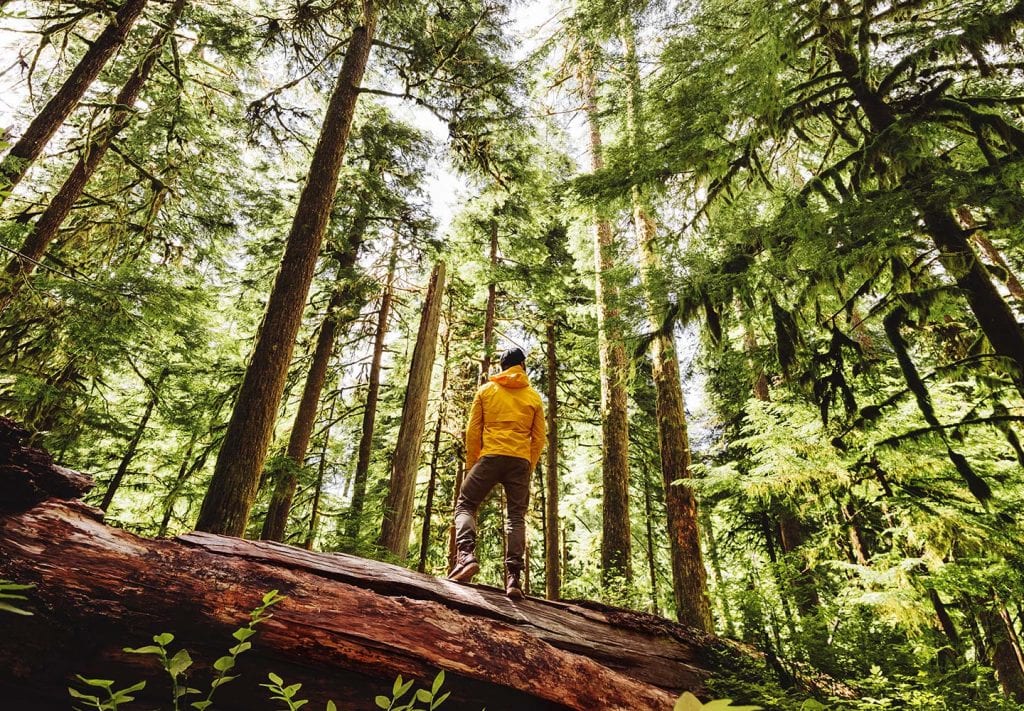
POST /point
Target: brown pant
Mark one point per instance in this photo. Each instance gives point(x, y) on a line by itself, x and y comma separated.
point(514, 474)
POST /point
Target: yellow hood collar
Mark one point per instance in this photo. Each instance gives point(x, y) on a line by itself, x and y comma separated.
point(514, 377)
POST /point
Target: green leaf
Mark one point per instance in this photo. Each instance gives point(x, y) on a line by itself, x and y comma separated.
point(275, 678)
point(132, 689)
point(164, 639)
point(202, 705)
point(812, 705)
point(438, 681)
point(179, 663)
point(76, 694)
point(221, 681)
point(331, 706)
point(224, 663)
point(243, 633)
point(423, 695)
point(688, 702)
point(272, 598)
point(241, 647)
point(396, 686)
point(149, 649)
point(11, 608)
point(382, 702)
point(100, 683)
point(439, 700)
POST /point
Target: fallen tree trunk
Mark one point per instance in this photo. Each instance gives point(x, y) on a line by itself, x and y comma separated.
point(348, 627)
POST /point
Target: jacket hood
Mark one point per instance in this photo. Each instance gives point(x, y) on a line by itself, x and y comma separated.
point(514, 377)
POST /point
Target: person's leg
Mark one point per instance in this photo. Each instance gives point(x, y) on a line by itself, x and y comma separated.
point(478, 483)
point(517, 497)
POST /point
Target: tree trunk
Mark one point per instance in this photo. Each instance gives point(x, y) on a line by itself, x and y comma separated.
point(398, 506)
point(948, 655)
point(716, 569)
point(492, 297)
point(1002, 655)
point(805, 590)
point(237, 473)
point(1012, 282)
point(35, 137)
point(616, 541)
point(21, 266)
point(428, 507)
point(689, 577)
point(354, 515)
point(552, 572)
point(184, 472)
point(652, 567)
point(276, 522)
point(314, 516)
point(172, 495)
point(133, 443)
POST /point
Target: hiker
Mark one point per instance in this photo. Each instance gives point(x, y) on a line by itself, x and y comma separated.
point(504, 439)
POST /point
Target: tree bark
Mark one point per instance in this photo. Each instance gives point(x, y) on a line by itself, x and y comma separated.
point(492, 298)
point(652, 567)
point(133, 443)
point(42, 233)
point(35, 137)
point(276, 522)
point(354, 515)
point(552, 571)
point(616, 541)
point(314, 516)
point(236, 475)
point(428, 507)
point(398, 506)
point(1002, 654)
point(1012, 282)
point(947, 656)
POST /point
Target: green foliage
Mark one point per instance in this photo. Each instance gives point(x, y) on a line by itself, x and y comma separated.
point(177, 664)
point(11, 593)
point(431, 698)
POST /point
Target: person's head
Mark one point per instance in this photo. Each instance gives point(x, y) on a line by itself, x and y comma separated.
point(512, 357)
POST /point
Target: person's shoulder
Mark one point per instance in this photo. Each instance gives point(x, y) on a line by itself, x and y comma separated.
point(535, 396)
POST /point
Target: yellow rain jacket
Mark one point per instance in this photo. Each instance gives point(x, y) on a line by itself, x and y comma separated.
point(507, 418)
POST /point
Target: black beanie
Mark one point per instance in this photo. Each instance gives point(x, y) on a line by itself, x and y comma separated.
point(511, 357)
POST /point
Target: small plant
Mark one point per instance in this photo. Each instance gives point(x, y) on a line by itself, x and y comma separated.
point(177, 664)
point(287, 694)
point(114, 698)
point(10, 590)
point(401, 688)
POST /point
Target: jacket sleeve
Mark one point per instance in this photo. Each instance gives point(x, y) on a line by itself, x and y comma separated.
point(538, 435)
point(474, 432)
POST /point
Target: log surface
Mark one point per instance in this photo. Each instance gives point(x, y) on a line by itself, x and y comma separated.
point(348, 627)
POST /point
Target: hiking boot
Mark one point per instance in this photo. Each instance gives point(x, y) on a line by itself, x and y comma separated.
point(512, 586)
point(466, 566)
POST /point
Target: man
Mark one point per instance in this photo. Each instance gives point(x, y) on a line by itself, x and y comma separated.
point(504, 439)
